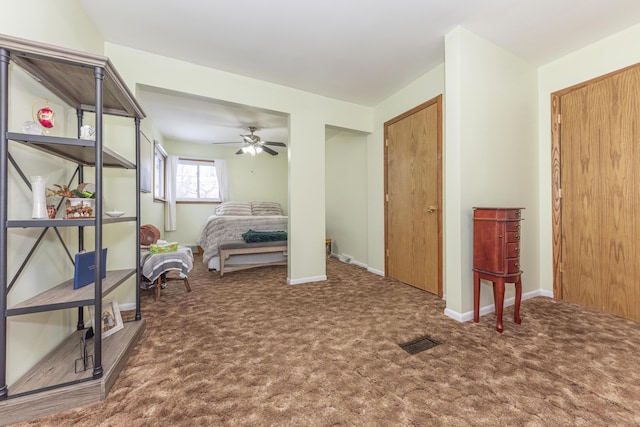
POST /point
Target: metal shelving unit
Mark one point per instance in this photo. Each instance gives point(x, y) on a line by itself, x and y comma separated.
point(88, 83)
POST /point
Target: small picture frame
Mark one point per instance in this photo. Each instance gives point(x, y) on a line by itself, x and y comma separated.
point(111, 319)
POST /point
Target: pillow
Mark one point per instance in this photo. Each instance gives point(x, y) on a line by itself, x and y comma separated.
point(264, 236)
point(265, 208)
point(234, 208)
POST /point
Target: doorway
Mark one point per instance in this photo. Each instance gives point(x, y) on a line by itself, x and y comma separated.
point(596, 193)
point(413, 197)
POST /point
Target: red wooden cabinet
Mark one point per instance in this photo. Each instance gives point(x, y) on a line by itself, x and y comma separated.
point(496, 256)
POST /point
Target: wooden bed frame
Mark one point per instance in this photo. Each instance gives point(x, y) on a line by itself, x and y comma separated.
point(238, 247)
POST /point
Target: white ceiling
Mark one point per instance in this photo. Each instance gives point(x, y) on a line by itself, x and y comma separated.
point(360, 51)
point(189, 118)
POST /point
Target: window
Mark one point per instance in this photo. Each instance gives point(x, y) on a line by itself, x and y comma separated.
point(159, 170)
point(197, 181)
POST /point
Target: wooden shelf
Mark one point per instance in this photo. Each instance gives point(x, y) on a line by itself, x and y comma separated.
point(64, 296)
point(80, 151)
point(62, 222)
point(34, 394)
point(70, 75)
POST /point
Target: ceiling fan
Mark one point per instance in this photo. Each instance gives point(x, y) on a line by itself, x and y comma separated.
point(252, 144)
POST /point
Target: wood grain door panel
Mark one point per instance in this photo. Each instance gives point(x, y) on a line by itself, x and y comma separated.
point(599, 178)
point(413, 192)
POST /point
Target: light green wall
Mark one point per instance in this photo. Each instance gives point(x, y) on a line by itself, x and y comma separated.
point(59, 22)
point(610, 54)
point(308, 115)
point(346, 195)
point(491, 127)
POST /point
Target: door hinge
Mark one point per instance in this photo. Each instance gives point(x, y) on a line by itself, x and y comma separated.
point(387, 253)
point(386, 142)
point(558, 118)
point(386, 197)
point(559, 193)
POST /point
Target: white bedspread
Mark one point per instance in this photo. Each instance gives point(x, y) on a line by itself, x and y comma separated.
point(220, 228)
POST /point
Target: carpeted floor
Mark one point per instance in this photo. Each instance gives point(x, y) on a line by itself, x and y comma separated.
point(249, 350)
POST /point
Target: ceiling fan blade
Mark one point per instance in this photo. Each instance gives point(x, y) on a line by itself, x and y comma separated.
point(240, 151)
point(270, 151)
point(277, 144)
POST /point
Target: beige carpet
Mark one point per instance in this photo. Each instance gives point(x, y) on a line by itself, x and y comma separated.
point(250, 350)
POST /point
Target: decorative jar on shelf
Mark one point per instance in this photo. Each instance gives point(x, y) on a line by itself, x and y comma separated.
point(51, 211)
point(38, 188)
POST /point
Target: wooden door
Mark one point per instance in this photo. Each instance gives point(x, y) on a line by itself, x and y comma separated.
point(598, 136)
point(413, 195)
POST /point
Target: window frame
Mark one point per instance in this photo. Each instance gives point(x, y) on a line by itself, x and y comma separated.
point(198, 201)
point(159, 172)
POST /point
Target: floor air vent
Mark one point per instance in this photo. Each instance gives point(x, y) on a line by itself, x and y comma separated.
point(419, 344)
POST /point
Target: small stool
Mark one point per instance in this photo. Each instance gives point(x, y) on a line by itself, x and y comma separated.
point(155, 266)
point(168, 279)
point(327, 244)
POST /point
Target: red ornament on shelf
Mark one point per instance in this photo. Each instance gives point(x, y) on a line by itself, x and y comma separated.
point(45, 115)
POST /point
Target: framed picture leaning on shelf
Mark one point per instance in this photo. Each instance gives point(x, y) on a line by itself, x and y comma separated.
point(145, 164)
point(111, 320)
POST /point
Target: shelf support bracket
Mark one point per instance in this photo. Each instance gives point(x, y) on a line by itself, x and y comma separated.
point(138, 178)
point(98, 73)
point(4, 193)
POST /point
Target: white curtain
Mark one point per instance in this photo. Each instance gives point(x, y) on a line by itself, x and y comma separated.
point(223, 180)
point(170, 194)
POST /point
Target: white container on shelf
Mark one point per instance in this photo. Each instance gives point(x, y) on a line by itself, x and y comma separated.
point(39, 188)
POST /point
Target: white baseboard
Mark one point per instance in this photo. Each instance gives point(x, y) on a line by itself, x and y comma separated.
point(454, 315)
point(374, 271)
point(358, 263)
point(127, 306)
point(543, 293)
point(467, 316)
point(306, 280)
point(348, 260)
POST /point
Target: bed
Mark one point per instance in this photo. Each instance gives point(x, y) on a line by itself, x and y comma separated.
point(230, 221)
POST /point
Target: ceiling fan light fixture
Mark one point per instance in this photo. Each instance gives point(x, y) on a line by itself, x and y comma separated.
point(251, 149)
point(252, 144)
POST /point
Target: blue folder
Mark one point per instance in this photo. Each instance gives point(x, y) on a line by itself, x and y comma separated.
point(85, 267)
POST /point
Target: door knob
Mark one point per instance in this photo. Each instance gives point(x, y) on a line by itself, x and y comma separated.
point(432, 209)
